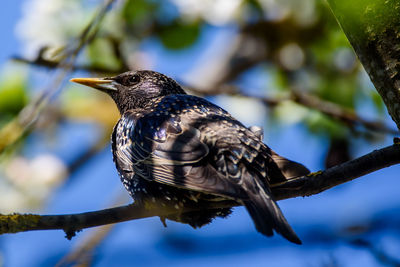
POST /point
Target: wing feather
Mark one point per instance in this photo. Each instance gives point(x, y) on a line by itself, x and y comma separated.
point(179, 159)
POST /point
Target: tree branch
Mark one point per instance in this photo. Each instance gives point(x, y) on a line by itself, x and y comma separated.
point(334, 110)
point(303, 186)
point(331, 109)
point(42, 62)
point(320, 181)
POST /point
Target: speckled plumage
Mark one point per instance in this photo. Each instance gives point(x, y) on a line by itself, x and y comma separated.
point(173, 149)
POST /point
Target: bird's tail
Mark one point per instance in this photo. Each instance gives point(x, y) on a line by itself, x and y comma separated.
point(289, 168)
point(266, 214)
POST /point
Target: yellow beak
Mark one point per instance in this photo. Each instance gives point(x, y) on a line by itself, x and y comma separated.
point(97, 83)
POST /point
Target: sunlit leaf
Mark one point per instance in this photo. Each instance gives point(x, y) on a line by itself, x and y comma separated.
point(138, 11)
point(378, 102)
point(13, 95)
point(100, 53)
point(320, 124)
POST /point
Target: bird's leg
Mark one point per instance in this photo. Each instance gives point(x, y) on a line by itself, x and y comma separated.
point(163, 220)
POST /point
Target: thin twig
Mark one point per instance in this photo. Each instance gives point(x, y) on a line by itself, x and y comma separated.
point(308, 100)
point(42, 62)
point(334, 110)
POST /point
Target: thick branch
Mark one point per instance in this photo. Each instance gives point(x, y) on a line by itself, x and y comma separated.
point(339, 174)
point(373, 29)
point(303, 186)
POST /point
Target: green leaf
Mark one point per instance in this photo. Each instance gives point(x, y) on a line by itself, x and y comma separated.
point(378, 102)
point(137, 11)
point(100, 53)
point(13, 95)
point(339, 90)
point(321, 124)
point(179, 35)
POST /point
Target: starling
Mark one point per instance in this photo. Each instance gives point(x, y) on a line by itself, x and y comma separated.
point(178, 149)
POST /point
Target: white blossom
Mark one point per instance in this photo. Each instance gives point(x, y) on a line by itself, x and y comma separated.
point(49, 23)
point(215, 12)
point(27, 183)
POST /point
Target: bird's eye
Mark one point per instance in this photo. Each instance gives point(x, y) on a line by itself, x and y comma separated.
point(134, 79)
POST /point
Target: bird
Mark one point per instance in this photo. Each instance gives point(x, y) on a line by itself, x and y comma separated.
point(177, 149)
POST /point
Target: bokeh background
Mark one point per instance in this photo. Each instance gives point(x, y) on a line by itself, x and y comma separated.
point(284, 65)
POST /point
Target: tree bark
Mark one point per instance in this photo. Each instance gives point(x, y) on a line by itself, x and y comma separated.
point(373, 29)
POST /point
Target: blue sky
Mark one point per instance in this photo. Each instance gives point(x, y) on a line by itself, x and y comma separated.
point(9, 15)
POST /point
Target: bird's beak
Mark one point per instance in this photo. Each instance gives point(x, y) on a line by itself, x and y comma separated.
point(102, 84)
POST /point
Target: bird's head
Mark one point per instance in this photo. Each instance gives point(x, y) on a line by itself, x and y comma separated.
point(134, 89)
